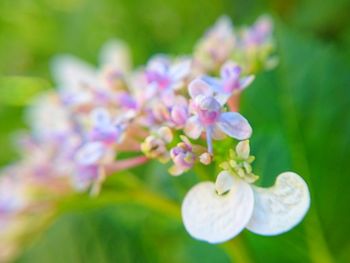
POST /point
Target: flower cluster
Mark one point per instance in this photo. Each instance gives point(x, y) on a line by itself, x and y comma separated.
point(80, 130)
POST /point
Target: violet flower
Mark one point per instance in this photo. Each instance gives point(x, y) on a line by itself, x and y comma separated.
point(230, 82)
point(184, 156)
point(216, 46)
point(88, 160)
point(164, 77)
point(104, 129)
point(164, 74)
point(209, 117)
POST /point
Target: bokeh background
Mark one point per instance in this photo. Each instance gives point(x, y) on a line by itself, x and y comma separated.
point(300, 113)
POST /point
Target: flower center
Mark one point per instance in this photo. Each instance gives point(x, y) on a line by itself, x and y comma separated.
point(208, 110)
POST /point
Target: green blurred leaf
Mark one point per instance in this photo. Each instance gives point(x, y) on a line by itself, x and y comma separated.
point(19, 91)
point(301, 117)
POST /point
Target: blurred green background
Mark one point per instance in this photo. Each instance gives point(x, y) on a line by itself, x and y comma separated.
point(300, 113)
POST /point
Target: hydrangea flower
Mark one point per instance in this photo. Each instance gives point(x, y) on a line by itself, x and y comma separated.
point(230, 82)
point(89, 160)
point(179, 115)
point(12, 195)
point(80, 83)
point(184, 156)
point(208, 116)
point(155, 145)
point(164, 76)
point(98, 112)
point(257, 46)
point(103, 128)
point(217, 212)
point(48, 118)
point(207, 55)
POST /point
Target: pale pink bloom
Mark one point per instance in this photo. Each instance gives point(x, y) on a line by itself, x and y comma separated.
point(183, 156)
point(231, 81)
point(208, 116)
point(104, 129)
point(164, 74)
point(216, 46)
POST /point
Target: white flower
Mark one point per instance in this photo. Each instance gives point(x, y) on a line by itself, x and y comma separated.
point(79, 81)
point(218, 212)
point(47, 117)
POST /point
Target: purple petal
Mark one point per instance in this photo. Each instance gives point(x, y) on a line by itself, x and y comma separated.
point(235, 125)
point(230, 70)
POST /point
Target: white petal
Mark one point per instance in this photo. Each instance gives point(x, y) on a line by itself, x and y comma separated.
point(245, 82)
point(116, 54)
point(215, 83)
point(193, 127)
point(217, 218)
point(235, 125)
point(70, 72)
point(180, 70)
point(199, 87)
point(223, 97)
point(224, 182)
point(280, 207)
point(101, 117)
point(90, 153)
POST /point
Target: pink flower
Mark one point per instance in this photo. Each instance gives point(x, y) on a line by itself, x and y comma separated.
point(182, 156)
point(230, 83)
point(166, 75)
point(216, 45)
point(208, 116)
point(179, 115)
point(104, 129)
point(88, 160)
point(185, 154)
point(258, 34)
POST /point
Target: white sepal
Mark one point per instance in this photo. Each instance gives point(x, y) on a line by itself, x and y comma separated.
point(217, 218)
point(279, 208)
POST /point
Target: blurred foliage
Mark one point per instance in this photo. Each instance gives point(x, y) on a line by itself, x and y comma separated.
point(300, 114)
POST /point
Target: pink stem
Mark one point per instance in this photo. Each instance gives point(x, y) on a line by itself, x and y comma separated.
point(125, 164)
point(233, 103)
point(129, 145)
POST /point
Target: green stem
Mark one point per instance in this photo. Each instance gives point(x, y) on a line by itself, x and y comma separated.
point(140, 197)
point(237, 250)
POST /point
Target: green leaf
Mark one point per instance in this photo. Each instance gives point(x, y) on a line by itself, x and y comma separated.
point(19, 91)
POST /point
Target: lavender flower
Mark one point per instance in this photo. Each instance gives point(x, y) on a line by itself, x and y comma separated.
point(164, 74)
point(184, 156)
point(215, 47)
point(230, 82)
point(103, 128)
point(208, 116)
